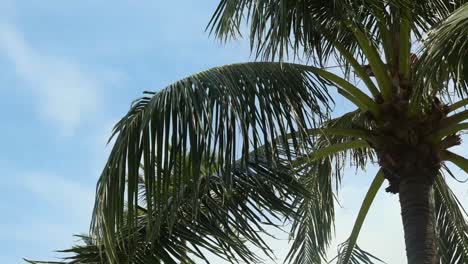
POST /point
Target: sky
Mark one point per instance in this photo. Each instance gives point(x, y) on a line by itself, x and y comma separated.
point(69, 70)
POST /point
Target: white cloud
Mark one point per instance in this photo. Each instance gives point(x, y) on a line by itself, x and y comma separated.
point(64, 92)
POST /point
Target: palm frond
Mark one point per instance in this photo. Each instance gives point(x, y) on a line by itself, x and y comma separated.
point(357, 157)
point(211, 118)
point(428, 14)
point(312, 228)
point(442, 68)
point(87, 253)
point(225, 221)
point(456, 159)
point(346, 255)
point(358, 255)
point(278, 27)
point(451, 224)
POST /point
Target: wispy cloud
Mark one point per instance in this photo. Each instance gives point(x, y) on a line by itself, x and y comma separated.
point(64, 92)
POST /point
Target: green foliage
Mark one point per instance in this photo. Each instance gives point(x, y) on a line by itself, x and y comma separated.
point(279, 27)
point(230, 148)
point(222, 223)
point(350, 252)
point(312, 230)
point(358, 256)
point(451, 225)
point(441, 68)
point(210, 118)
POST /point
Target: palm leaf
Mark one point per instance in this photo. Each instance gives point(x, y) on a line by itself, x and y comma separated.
point(349, 255)
point(456, 159)
point(313, 227)
point(358, 157)
point(451, 225)
point(279, 27)
point(442, 67)
point(211, 118)
point(226, 220)
point(427, 14)
point(358, 255)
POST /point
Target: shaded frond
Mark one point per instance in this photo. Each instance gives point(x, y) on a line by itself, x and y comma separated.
point(442, 68)
point(358, 255)
point(456, 159)
point(451, 224)
point(358, 157)
point(87, 253)
point(212, 118)
point(224, 221)
point(314, 225)
point(428, 14)
point(277, 27)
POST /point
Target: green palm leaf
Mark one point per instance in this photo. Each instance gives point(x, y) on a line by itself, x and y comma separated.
point(211, 118)
point(203, 163)
point(349, 252)
point(278, 27)
point(226, 219)
point(442, 67)
point(427, 14)
point(313, 227)
point(358, 255)
point(451, 225)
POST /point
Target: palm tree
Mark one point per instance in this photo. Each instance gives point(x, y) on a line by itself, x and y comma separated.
point(270, 116)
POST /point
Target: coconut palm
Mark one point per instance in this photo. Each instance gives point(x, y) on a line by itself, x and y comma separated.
point(409, 58)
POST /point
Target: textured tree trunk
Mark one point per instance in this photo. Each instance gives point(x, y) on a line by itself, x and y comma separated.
point(418, 222)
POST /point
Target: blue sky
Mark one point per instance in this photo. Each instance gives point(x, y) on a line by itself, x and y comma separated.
point(68, 71)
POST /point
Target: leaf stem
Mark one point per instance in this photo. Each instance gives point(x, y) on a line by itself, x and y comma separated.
point(456, 159)
point(368, 199)
point(376, 63)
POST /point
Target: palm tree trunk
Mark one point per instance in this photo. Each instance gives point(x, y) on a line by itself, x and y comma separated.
point(418, 222)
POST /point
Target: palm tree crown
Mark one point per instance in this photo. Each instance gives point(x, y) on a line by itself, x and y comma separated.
point(264, 131)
